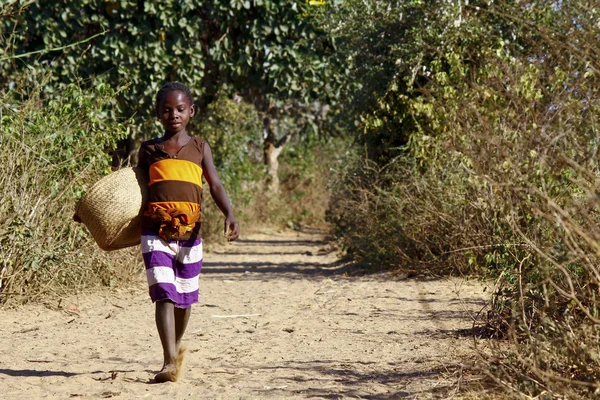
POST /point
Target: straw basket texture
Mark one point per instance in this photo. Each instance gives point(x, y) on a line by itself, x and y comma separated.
point(112, 208)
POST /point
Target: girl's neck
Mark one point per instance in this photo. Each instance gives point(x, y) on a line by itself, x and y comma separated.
point(176, 136)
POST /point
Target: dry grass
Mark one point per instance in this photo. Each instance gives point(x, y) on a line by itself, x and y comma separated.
point(503, 180)
point(52, 150)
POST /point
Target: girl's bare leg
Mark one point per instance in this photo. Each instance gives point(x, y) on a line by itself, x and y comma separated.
point(182, 316)
point(165, 323)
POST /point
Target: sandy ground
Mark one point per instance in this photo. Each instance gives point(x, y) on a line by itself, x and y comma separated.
point(278, 319)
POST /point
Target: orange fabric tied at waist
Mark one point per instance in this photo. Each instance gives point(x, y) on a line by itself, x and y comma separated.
point(174, 222)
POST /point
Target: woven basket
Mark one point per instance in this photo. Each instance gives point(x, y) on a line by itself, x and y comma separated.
point(112, 208)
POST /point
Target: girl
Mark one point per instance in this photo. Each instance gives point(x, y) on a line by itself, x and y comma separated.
point(171, 232)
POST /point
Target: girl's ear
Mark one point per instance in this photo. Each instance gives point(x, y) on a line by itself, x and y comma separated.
point(192, 110)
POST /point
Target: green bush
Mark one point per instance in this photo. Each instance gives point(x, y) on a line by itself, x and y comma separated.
point(53, 150)
point(234, 130)
point(498, 177)
point(266, 51)
point(306, 171)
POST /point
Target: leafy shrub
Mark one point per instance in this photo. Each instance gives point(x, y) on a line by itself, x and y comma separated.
point(306, 181)
point(500, 177)
point(267, 51)
point(52, 151)
point(234, 130)
point(393, 217)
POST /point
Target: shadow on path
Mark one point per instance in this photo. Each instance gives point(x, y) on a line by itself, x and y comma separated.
point(284, 268)
point(248, 242)
point(36, 373)
point(348, 377)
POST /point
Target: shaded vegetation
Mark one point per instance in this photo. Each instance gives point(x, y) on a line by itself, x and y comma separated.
point(498, 175)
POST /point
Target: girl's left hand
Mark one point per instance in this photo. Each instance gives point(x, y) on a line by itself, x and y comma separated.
point(232, 229)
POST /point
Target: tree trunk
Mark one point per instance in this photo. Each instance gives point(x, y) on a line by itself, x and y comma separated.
point(271, 160)
point(272, 150)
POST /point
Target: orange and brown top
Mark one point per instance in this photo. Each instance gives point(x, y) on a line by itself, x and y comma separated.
point(174, 189)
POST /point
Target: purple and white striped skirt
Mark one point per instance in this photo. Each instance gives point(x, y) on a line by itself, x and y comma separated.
point(172, 268)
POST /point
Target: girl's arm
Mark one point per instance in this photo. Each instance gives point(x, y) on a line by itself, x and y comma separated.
point(218, 193)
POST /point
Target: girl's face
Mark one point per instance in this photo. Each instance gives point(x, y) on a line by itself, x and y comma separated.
point(175, 111)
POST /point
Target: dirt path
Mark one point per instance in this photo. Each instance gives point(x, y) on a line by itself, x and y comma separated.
point(277, 320)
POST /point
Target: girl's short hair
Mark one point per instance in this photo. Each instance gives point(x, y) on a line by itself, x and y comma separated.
point(173, 87)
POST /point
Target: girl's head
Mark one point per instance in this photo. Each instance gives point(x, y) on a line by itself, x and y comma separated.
point(174, 107)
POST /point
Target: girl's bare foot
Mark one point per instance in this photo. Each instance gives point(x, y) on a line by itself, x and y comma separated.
point(172, 372)
point(167, 374)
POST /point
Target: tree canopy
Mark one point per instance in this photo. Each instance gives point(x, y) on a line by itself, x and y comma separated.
point(269, 52)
